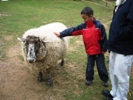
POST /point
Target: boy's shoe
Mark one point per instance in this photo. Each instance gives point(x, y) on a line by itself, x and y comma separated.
point(107, 94)
point(105, 84)
point(88, 82)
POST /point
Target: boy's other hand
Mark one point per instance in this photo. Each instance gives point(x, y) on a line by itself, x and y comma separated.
point(57, 34)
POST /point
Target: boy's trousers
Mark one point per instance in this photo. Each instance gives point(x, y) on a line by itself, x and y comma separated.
point(102, 71)
point(119, 68)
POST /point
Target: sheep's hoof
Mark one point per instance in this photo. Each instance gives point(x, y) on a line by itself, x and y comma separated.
point(39, 79)
point(40, 76)
point(50, 82)
point(62, 62)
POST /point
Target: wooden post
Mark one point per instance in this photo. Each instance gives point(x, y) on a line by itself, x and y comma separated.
point(106, 4)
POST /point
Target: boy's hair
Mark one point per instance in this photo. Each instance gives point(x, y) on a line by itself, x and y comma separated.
point(88, 11)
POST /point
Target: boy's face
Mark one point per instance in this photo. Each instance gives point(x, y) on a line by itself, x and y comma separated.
point(86, 18)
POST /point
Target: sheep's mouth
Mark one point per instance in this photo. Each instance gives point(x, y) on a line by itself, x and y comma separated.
point(31, 60)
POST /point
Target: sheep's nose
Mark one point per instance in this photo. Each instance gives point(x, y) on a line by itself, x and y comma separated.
point(31, 61)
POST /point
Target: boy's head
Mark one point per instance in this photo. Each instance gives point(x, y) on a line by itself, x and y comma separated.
point(87, 14)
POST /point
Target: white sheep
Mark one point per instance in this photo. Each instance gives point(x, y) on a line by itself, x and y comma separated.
point(43, 49)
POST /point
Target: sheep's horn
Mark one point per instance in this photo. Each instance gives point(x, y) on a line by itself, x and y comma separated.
point(21, 39)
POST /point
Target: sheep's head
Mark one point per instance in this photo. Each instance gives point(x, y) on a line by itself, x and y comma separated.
point(33, 48)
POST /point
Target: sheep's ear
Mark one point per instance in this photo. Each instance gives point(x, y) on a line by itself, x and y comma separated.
point(21, 39)
point(45, 41)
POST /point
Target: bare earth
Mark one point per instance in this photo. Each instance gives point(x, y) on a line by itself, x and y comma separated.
point(18, 82)
point(14, 81)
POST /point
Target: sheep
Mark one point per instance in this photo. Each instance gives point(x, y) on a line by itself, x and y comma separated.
point(43, 49)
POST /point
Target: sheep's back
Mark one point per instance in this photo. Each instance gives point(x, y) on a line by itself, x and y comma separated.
point(46, 31)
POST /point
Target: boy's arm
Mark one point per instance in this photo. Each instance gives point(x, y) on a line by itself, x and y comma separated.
point(71, 31)
point(104, 39)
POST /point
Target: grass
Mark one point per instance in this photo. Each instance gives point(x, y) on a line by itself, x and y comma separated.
point(17, 16)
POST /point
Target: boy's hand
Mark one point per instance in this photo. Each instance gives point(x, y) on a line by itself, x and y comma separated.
point(103, 52)
point(57, 34)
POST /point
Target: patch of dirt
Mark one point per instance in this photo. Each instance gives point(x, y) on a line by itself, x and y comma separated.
point(4, 14)
point(18, 83)
point(8, 38)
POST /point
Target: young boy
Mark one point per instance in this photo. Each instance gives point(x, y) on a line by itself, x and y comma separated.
point(94, 37)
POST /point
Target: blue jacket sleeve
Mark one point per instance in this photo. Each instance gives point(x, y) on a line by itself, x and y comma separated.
point(104, 39)
point(69, 31)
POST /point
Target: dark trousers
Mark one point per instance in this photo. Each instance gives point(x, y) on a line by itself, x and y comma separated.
point(102, 70)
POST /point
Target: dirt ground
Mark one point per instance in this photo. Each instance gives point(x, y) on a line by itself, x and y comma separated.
point(15, 81)
point(12, 77)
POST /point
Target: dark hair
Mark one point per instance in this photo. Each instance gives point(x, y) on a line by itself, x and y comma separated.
point(87, 10)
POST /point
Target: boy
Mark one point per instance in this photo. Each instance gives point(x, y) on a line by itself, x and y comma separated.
point(94, 37)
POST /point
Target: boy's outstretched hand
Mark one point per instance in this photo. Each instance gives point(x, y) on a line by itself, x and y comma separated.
point(57, 34)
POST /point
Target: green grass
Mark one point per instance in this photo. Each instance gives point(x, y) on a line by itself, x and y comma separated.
point(17, 16)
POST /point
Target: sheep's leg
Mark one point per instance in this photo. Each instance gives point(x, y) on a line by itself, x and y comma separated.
point(50, 82)
point(49, 79)
point(62, 62)
point(40, 76)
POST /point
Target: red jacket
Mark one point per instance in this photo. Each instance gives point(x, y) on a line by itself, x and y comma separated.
point(91, 32)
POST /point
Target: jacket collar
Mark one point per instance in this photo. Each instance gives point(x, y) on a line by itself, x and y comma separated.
point(90, 22)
